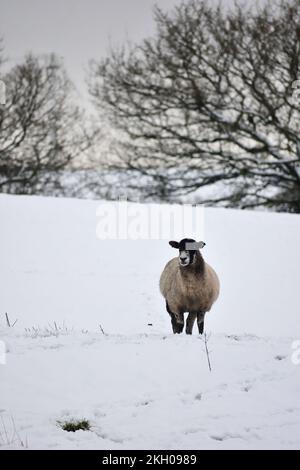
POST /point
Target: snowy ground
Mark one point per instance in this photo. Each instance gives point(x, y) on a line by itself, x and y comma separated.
point(140, 386)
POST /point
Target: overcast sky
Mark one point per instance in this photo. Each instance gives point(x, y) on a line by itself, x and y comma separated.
point(77, 30)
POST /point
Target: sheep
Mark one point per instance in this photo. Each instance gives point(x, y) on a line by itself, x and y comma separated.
point(188, 284)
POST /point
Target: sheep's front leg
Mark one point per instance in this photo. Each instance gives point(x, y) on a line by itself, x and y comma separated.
point(190, 322)
point(200, 322)
point(177, 320)
point(177, 323)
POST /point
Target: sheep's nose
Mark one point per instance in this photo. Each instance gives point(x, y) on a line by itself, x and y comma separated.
point(183, 258)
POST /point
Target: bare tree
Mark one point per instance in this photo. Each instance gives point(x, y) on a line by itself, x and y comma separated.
point(41, 130)
point(211, 99)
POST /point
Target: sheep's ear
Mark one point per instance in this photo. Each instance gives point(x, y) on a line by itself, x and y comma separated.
point(201, 244)
point(174, 244)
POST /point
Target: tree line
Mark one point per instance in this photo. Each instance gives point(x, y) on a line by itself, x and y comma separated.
point(207, 108)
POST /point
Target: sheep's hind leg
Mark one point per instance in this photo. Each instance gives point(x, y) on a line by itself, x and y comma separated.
point(190, 323)
point(200, 322)
point(177, 320)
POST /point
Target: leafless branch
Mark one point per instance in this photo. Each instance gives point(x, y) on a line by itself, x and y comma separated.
point(209, 100)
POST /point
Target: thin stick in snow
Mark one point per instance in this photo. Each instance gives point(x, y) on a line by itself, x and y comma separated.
point(102, 331)
point(206, 338)
point(9, 433)
point(7, 319)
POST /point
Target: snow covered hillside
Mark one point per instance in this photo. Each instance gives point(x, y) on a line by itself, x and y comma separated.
point(139, 385)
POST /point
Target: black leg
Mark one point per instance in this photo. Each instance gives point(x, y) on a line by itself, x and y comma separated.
point(200, 322)
point(177, 326)
point(177, 320)
point(190, 323)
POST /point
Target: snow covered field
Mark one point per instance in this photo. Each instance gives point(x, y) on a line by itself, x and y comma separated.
point(138, 385)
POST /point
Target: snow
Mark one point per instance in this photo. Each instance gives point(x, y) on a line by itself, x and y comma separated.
point(139, 385)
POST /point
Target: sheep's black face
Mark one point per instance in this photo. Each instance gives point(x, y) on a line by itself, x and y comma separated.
point(187, 250)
